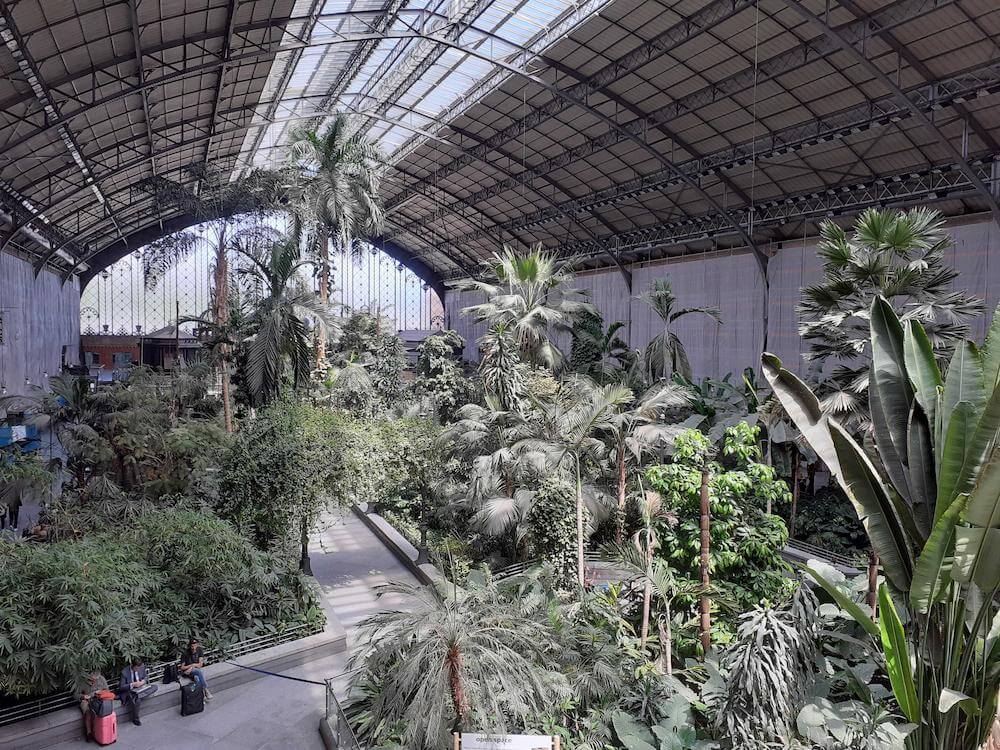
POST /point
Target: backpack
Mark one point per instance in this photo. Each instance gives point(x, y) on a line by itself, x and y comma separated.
point(101, 706)
point(170, 674)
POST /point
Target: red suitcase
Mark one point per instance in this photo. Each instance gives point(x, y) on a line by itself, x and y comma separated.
point(106, 729)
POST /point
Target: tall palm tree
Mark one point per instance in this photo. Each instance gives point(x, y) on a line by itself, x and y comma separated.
point(665, 354)
point(637, 427)
point(454, 660)
point(607, 357)
point(530, 295)
point(218, 202)
point(337, 195)
point(279, 323)
point(563, 432)
point(900, 256)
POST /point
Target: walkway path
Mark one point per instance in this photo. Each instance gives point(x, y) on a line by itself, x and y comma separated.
point(272, 714)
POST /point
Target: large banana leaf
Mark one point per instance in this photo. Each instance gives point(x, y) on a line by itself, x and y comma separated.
point(977, 544)
point(897, 657)
point(934, 563)
point(922, 368)
point(890, 393)
point(991, 353)
point(845, 603)
point(803, 408)
point(964, 382)
point(961, 425)
point(979, 444)
point(920, 458)
point(874, 506)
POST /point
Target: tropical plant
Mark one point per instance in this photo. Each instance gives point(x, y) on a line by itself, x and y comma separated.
point(600, 353)
point(552, 528)
point(531, 297)
point(365, 341)
point(336, 193)
point(440, 375)
point(896, 255)
point(279, 322)
point(451, 659)
point(746, 543)
point(928, 496)
point(564, 431)
point(665, 353)
point(501, 369)
point(218, 202)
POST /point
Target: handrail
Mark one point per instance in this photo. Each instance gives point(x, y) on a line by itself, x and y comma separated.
point(336, 720)
point(32, 707)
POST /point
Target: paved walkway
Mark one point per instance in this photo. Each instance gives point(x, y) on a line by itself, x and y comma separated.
point(272, 714)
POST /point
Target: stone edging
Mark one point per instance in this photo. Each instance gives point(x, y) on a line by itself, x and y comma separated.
point(405, 552)
point(67, 724)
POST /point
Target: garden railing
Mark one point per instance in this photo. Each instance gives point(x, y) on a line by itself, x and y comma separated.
point(336, 720)
point(31, 707)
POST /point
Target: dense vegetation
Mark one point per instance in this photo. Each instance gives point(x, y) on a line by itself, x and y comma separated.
point(644, 511)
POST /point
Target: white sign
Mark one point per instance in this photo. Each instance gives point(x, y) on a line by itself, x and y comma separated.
point(506, 742)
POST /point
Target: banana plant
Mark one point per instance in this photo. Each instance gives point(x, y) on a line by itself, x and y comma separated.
point(928, 493)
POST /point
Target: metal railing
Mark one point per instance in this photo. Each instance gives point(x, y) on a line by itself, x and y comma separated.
point(32, 707)
point(336, 720)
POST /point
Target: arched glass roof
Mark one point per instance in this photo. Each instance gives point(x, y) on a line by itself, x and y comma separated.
point(611, 129)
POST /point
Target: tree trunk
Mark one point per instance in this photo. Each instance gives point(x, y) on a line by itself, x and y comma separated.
point(324, 295)
point(458, 698)
point(221, 320)
point(706, 520)
point(304, 563)
point(620, 521)
point(666, 641)
point(647, 590)
point(581, 568)
point(795, 494)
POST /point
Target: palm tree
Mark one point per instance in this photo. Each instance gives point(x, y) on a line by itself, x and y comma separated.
point(665, 354)
point(563, 432)
point(501, 368)
point(453, 660)
point(637, 427)
point(337, 196)
point(603, 354)
point(530, 296)
point(218, 202)
point(280, 322)
point(899, 256)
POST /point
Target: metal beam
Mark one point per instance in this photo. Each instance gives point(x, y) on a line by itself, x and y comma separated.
point(847, 46)
point(791, 59)
point(938, 183)
point(133, 11)
point(929, 97)
point(219, 81)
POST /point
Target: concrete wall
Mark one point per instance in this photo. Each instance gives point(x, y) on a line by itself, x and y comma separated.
point(40, 316)
point(732, 282)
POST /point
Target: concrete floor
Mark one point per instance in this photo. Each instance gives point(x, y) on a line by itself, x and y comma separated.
point(270, 713)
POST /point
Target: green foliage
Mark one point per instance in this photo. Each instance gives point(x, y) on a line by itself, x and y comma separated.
point(584, 349)
point(745, 559)
point(276, 473)
point(440, 374)
point(552, 528)
point(665, 353)
point(135, 589)
point(928, 497)
point(372, 360)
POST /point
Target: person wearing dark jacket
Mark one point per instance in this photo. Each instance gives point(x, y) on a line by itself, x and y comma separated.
point(134, 686)
point(192, 662)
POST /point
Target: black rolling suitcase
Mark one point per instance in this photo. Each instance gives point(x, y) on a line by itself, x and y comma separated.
point(192, 699)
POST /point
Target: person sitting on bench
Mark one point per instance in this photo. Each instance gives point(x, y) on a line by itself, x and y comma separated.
point(192, 662)
point(134, 686)
point(92, 684)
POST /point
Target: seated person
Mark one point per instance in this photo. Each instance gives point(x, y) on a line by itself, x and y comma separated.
point(192, 662)
point(91, 684)
point(134, 686)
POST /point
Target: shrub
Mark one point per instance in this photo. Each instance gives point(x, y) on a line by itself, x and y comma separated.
point(552, 525)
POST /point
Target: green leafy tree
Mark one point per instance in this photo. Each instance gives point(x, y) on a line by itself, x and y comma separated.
point(746, 543)
point(929, 497)
point(440, 375)
point(531, 297)
point(900, 256)
point(447, 660)
point(665, 353)
point(552, 528)
point(336, 192)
